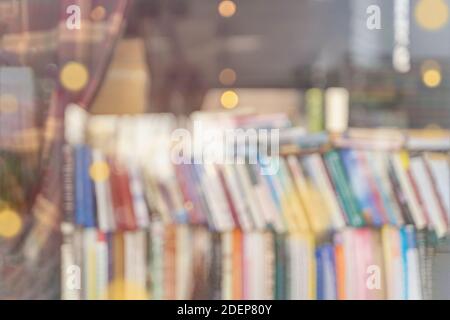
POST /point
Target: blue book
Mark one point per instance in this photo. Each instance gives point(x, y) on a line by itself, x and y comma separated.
point(329, 272)
point(320, 286)
point(88, 189)
point(404, 252)
point(360, 187)
point(79, 185)
point(273, 192)
point(326, 273)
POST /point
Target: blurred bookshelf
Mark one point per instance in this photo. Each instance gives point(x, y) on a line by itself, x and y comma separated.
point(101, 198)
point(339, 206)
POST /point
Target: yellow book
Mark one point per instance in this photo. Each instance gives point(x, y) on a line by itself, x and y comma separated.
point(117, 286)
point(90, 264)
point(285, 198)
point(311, 200)
point(295, 212)
point(310, 243)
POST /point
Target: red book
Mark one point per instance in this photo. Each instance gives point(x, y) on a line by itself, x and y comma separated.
point(122, 199)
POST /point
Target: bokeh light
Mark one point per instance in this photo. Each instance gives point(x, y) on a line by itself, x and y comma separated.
point(227, 77)
point(99, 171)
point(10, 223)
point(98, 13)
point(229, 99)
point(74, 76)
point(227, 8)
point(431, 14)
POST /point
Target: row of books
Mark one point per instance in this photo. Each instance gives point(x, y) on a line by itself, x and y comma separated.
point(191, 262)
point(347, 216)
point(319, 191)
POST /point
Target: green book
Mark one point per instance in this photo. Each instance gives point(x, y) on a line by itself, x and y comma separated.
point(280, 266)
point(314, 110)
point(345, 194)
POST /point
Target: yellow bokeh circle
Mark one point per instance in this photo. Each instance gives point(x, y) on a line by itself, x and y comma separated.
point(74, 76)
point(431, 73)
point(227, 8)
point(229, 99)
point(432, 78)
point(10, 223)
point(431, 14)
point(99, 171)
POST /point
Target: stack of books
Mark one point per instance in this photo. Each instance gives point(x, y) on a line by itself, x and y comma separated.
point(349, 216)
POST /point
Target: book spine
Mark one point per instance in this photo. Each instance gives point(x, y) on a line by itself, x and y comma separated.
point(68, 184)
point(320, 274)
point(401, 167)
point(102, 266)
point(412, 256)
point(280, 267)
point(346, 196)
point(189, 203)
point(399, 194)
point(117, 198)
point(359, 187)
point(103, 194)
point(138, 199)
point(372, 163)
point(79, 186)
point(237, 264)
point(88, 190)
point(336, 211)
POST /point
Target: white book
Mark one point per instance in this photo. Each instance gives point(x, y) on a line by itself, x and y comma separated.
point(237, 196)
point(105, 212)
point(440, 170)
point(268, 210)
point(428, 196)
point(297, 270)
point(184, 267)
point(253, 273)
point(70, 271)
point(253, 203)
point(141, 261)
point(130, 266)
point(102, 266)
point(227, 265)
point(215, 196)
point(413, 271)
point(138, 198)
point(157, 259)
point(380, 164)
point(412, 202)
point(348, 240)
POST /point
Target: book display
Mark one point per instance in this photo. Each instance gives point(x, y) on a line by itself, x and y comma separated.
point(349, 216)
point(224, 150)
